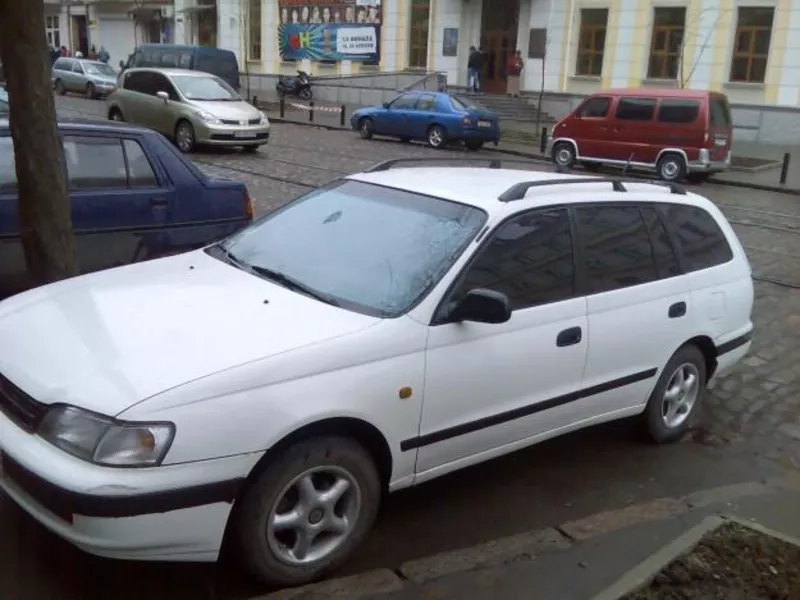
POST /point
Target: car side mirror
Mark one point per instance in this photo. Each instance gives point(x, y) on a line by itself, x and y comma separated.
point(482, 306)
point(164, 96)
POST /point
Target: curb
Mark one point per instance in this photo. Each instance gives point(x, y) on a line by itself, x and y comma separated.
point(538, 157)
point(527, 546)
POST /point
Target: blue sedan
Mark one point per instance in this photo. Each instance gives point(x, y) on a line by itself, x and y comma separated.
point(134, 197)
point(437, 118)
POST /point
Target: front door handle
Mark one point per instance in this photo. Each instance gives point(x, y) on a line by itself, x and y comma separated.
point(569, 337)
point(158, 201)
point(677, 310)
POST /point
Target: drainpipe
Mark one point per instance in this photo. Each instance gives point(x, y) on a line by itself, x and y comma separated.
point(565, 64)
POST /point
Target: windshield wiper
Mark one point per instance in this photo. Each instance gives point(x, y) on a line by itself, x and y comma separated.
point(290, 283)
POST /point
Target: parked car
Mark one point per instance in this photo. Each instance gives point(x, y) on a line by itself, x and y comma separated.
point(369, 336)
point(3, 104)
point(438, 118)
point(134, 197)
point(676, 133)
point(90, 77)
point(190, 107)
point(216, 61)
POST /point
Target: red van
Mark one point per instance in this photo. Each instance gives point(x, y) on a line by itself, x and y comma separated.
point(676, 133)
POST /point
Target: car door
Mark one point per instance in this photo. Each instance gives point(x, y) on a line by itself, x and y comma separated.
point(632, 130)
point(77, 79)
point(639, 304)
point(13, 270)
point(132, 96)
point(121, 200)
point(423, 115)
point(490, 388)
point(392, 120)
point(163, 115)
point(592, 127)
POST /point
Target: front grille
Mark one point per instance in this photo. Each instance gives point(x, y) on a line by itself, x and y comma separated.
point(229, 137)
point(19, 406)
point(255, 121)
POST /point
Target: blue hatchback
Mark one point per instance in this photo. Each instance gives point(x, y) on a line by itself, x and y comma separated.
point(134, 197)
point(437, 118)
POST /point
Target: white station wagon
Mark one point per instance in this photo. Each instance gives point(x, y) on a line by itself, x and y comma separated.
point(386, 329)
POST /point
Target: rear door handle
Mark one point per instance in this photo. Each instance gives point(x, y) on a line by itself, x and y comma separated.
point(677, 310)
point(158, 201)
point(569, 337)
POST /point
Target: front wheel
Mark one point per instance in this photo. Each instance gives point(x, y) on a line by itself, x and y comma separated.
point(677, 396)
point(437, 137)
point(308, 510)
point(564, 155)
point(474, 145)
point(184, 136)
point(366, 128)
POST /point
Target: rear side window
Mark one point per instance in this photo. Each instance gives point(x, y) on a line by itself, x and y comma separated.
point(663, 251)
point(698, 238)
point(95, 163)
point(616, 248)
point(678, 111)
point(8, 166)
point(720, 113)
point(636, 109)
point(427, 102)
point(140, 171)
point(595, 107)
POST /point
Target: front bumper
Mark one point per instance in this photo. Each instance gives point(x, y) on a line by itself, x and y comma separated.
point(231, 135)
point(174, 512)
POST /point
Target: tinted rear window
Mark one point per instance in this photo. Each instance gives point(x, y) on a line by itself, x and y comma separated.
point(720, 113)
point(636, 109)
point(678, 111)
point(698, 239)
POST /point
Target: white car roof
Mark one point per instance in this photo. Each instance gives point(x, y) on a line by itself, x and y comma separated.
point(482, 187)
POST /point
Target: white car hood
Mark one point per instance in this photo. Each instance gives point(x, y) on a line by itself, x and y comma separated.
point(108, 340)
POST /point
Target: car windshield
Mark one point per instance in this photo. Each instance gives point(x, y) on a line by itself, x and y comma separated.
point(99, 69)
point(363, 247)
point(210, 89)
point(461, 103)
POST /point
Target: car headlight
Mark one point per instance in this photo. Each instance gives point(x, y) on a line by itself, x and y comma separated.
point(207, 117)
point(264, 119)
point(103, 440)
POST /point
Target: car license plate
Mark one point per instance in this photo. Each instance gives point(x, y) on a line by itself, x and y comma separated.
point(721, 141)
point(244, 134)
point(484, 124)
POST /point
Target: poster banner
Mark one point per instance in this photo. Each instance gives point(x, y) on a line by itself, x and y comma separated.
point(330, 30)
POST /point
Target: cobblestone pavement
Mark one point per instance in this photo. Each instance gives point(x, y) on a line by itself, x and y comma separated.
point(750, 426)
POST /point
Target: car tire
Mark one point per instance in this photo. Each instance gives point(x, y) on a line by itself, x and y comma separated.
point(184, 136)
point(91, 93)
point(58, 86)
point(115, 114)
point(298, 481)
point(251, 149)
point(677, 396)
point(437, 137)
point(306, 94)
point(473, 145)
point(671, 167)
point(366, 128)
point(564, 155)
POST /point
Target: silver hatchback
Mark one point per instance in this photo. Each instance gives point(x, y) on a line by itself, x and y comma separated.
point(93, 78)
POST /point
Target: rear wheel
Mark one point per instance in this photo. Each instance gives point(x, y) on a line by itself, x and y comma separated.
point(564, 155)
point(671, 167)
point(305, 94)
point(366, 128)
point(474, 145)
point(437, 136)
point(115, 114)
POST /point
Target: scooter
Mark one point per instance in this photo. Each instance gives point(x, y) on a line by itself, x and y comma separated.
point(298, 85)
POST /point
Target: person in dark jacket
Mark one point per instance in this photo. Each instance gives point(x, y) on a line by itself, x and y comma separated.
point(474, 68)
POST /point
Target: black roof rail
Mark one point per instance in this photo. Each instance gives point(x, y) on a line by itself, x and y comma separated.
point(494, 163)
point(518, 190)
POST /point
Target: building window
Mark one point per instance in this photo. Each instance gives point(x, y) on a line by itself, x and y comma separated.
point(667, 42)
point(592, 41)
point(418, 43)
point(52, 31)
point(751, 44)
point(254, 31)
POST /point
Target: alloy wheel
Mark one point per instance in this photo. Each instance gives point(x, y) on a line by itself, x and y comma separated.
point(680, 395)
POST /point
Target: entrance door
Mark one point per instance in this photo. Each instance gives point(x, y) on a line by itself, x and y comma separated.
point(499, 23)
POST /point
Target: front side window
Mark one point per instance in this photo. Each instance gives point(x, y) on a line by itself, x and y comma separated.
point(366, 248)
point(95, 163)
point(636, 109)
point(663, 251)
point(529, 259)
point(698, 239)
point(596, 108)
point(405, 102)
point(617, 249)
point(99, 69)
point(206, 89)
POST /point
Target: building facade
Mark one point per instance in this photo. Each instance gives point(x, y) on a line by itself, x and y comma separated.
point(749, 49)
point(118, 25)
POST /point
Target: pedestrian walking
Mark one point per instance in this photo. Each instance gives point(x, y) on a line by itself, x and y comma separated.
point(514, 70)
point(474, 68)
point(103, 55)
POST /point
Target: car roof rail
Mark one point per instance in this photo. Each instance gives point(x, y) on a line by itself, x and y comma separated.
point(494, 163)
point(519, 190)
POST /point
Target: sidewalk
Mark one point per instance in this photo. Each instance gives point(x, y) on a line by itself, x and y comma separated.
point(517, 135)
point(574, 561)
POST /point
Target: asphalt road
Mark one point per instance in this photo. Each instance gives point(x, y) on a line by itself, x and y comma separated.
point(749, 429)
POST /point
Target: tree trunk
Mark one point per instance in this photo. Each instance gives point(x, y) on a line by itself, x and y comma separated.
point(45, 221)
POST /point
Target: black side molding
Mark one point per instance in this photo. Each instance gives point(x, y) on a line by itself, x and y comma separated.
point(734, 343)
point(65, 503)
point(523, 411)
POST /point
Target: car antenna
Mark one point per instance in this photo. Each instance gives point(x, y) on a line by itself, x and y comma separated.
point(627, 164)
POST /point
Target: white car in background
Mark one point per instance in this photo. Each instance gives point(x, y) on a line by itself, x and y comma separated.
point(389, 328)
